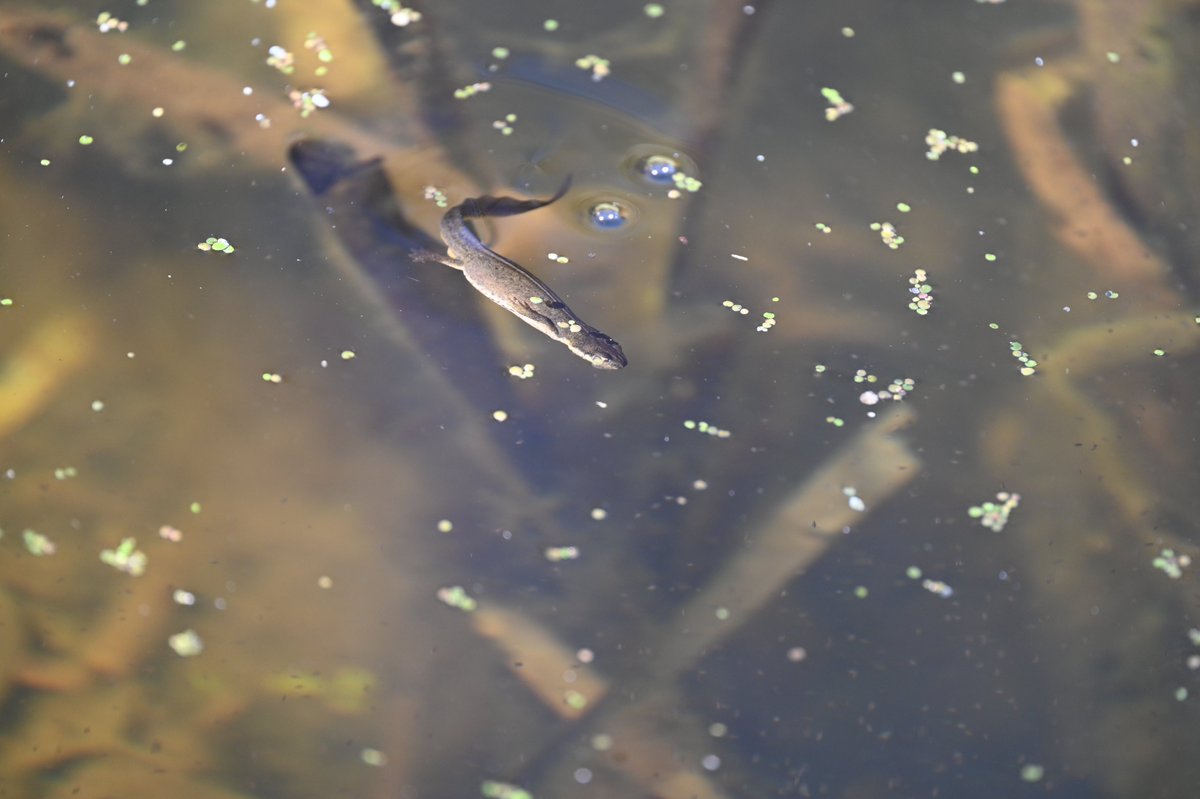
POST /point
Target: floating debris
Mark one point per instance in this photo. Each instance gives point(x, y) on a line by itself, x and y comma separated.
point(994, 515)
point(1172, 564)
point(887, 233)
point(308, 102)
point(216, 244)
point(919, 286)
point(281, 58)
point(556, 554)
point(38, 544)
point(838, 105)
point(457, 597)
point(186, 644)
point(503, 790)
point(705, 427)
point(473, 89)
point(125, 558)
point(940, 142)
point(598, 66)
point(524, 372)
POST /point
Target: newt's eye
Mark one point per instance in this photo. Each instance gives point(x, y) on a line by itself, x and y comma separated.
point(608, 215)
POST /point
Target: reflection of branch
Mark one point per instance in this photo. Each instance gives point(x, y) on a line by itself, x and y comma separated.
point(877, 463)
point(1027, 106)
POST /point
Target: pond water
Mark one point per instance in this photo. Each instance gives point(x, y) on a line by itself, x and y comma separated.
point(894, 498)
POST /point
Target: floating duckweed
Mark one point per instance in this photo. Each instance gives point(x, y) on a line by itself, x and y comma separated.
point(281, 58)
point(1113, 57)
point(686, 182)
point(85, 140)
point(835, 421)
point(272, 377)
point(178, 46)
point(848, 32)
point(318, 45)
point(536, 300)
point(106, 23)
point(853, 500)
point(216, 244)
point(437, 195)
point(445, 526)
point(940, 142)
point(938, 587)
point(65, 473)
point(472, 90)
point(38, 544)
point(457, 597)
point(550, 25)
point(887, 233)
point(124, 59)
point(1159, 352)
point(169, 533)
point(824, 228)
point(186, 644)
point(308, 102)
point(500, 53)
point(599, 66)
point(44, 162)
point(503, 790)
point(195, 507)
point(958, 77)
point(400, 16)
point(653, 10)
point(556, 554)
point(181, 597)
point(863, 376)
point(903, 208)
point(735, 307)
point(607, 215)
point(820, 368)
point(598, 514)
point(1032, 772)
point(994, 515)
point(97, 405)
point(505, 126)
point(1171, 564)
point(923, 291)
point(500, 416)
point(705, 427)
point(768, 322)
point(838, 105)
point(373, 757)
point(558, 259)
point(861, 592)
point(1181, 694)
point(989, 257)
point(125, 558)
point(181, 147)
point(523, 372)
point(913, 572)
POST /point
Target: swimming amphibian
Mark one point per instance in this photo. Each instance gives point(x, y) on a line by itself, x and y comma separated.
point(513, 287)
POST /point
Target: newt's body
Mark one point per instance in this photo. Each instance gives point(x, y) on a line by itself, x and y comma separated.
point(514, 288)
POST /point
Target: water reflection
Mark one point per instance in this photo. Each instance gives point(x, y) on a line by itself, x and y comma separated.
point(745, 565)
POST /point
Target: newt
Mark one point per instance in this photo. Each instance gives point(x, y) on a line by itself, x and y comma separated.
point(513, 287)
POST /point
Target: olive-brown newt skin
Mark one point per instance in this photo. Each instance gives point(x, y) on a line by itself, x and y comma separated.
point(516, 289)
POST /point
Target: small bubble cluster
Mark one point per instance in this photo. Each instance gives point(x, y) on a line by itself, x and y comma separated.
point(186, 644)
point(939, 142)
point(705, 427)
point(994, 515)
point(1172, 563)
point(838, 105)
point(919, 286)
point(887, 233)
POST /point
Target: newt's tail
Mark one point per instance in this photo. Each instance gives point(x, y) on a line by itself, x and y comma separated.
point(479, 207)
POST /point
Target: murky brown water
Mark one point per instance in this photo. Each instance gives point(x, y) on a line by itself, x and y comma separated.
point(720, 571)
